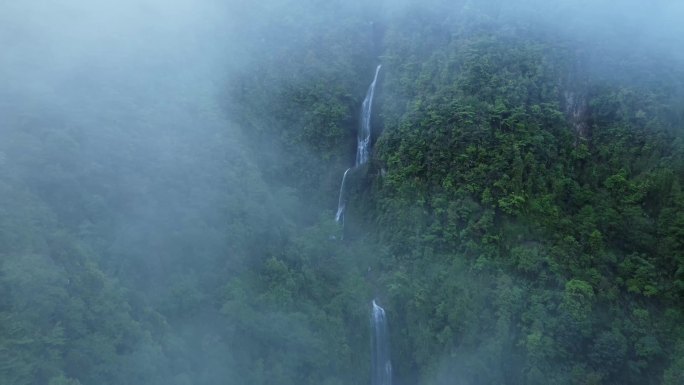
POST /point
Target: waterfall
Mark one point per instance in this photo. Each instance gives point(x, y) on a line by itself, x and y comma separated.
point(363, 144)
point(342, 202)
point(364, 136)
point(380, 352)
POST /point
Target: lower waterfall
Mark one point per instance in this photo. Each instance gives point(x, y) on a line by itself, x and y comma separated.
point(381, 366)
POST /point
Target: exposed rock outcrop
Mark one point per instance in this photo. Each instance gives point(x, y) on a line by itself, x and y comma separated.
point(577, 111)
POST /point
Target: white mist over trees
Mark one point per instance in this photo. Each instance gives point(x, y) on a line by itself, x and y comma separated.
point(170, 170)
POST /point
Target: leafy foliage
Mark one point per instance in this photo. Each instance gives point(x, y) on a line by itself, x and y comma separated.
point(522, 218)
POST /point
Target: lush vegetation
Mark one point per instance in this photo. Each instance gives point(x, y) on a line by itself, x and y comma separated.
point(528, 234)
point(521, 221)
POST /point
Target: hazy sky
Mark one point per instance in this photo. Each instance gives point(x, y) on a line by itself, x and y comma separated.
point(48, 46)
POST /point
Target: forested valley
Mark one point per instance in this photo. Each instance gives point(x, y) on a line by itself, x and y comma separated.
point(170, 173)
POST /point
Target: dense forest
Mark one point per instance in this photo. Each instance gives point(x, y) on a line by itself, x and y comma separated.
point(169, 175)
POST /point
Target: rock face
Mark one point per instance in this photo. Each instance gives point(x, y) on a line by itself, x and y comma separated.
point(575, 98)
point(577, 111)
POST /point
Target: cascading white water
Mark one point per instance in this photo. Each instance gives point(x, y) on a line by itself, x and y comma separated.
point(342, 202)
point(380, 351)
point(363, 145)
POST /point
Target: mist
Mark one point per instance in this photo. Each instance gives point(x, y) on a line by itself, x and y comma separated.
point(170, 173)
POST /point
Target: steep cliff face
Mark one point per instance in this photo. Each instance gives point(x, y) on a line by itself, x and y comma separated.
point(575, 94)
point(577, 111)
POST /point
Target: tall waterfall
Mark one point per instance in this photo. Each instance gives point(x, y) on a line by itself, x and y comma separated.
point(342, 202)
point(363, 143)
point(380, 352)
